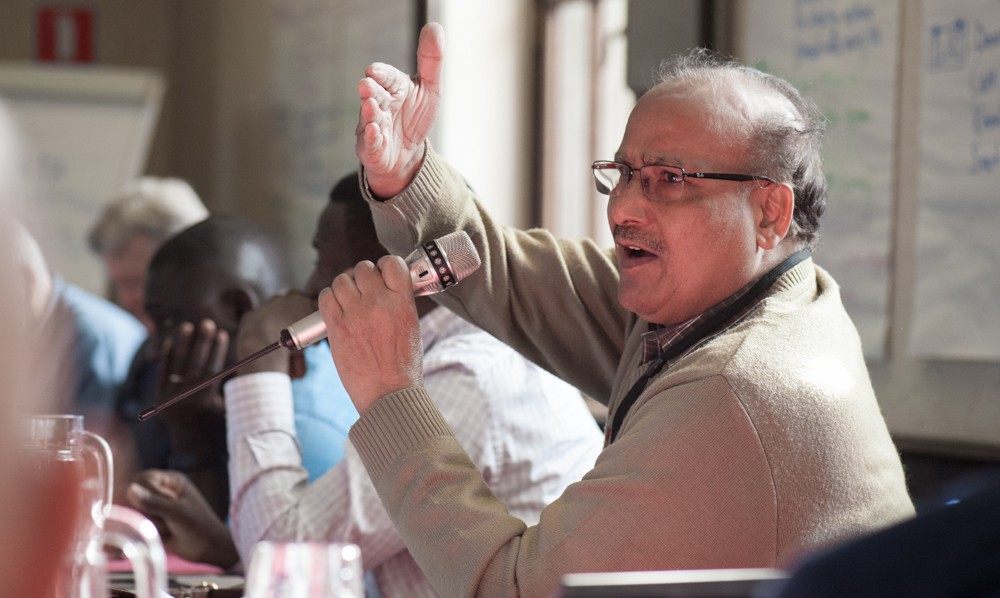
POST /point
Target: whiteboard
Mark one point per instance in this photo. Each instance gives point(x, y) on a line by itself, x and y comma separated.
point(88, 131)
point(956, 311)
point(843, 55)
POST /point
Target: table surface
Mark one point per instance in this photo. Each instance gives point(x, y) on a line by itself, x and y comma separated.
point(181, 574)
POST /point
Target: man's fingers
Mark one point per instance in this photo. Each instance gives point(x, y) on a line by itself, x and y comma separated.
point(201, 349)
point(167, 482)
point(373, 137)
point(180, 349)
point(345, 289)
point(367, 278)
point(430, 54)
point(367, 88)
point(368, 132)
point(166, 356)
point(395, 274)
point(367, 114)
point(371, 107)
point(217, 359)
point(381, 92)
point(149, 501)
point(374, 69)
point(386, 78)
point(329, 306)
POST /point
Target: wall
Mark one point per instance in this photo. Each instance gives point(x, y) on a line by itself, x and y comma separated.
point(486, 127)
point(271, 93)
point(261, 97)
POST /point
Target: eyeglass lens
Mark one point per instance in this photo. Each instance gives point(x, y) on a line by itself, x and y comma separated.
point(658, 182)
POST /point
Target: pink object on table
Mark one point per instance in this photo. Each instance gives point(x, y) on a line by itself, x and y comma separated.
point(175, 565)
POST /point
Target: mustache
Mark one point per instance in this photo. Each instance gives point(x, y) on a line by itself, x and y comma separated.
point(627, 233)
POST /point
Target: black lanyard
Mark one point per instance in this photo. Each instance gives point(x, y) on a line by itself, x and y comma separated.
point(707, 328)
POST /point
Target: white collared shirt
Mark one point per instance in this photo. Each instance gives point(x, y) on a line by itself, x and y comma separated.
point(529, 434)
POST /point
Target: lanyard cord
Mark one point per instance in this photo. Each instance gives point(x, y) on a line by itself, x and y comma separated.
point(710, 326)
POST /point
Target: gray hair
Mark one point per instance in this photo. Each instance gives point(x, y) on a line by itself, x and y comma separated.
point(786, 146)
point(149, 206)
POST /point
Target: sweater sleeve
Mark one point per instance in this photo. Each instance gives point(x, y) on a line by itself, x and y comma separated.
point(553, 300)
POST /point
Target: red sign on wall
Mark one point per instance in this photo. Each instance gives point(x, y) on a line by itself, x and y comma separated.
point(65, 34)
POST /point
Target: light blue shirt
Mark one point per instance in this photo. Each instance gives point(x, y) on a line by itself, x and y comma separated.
point(104, 340)
point(323, 411)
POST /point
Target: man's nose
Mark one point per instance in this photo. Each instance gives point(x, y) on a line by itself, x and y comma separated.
point(627, 205)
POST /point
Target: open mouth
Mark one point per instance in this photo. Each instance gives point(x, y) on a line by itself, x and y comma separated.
point(633, 248)
point(636, 252)
point(633, 255)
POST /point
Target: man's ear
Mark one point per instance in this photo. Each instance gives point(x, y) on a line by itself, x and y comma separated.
point(773, 214)
point(238, 301)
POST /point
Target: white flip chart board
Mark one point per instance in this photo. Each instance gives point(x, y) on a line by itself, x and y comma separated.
point(957, 299)
point(843, 55)
point(87, 131)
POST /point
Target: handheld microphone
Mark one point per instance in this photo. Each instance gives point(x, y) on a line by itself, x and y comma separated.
point(434, 266)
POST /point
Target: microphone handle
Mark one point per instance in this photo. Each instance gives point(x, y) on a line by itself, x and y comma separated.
point(307, 331)
point(430, 272)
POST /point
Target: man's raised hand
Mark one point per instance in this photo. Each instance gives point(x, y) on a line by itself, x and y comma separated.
point(397, 113)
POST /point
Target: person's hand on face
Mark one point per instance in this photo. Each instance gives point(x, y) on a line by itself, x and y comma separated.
point(374, 330)
point(188, 526)
point(188, 355)
point(397, 112)
point(262, 327)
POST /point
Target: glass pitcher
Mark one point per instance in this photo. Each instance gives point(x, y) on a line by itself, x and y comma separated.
point(60, 455)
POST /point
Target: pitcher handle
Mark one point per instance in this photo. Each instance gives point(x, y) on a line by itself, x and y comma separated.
point(105, 467)
point(137, 538)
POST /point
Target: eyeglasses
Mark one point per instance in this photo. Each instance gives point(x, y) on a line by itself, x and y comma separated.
point(659, 183)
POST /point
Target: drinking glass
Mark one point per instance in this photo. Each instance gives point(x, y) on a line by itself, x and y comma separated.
point(305, 570)
point(61, 456)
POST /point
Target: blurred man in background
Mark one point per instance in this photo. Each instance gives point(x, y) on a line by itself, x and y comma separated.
point(86, 342)
point(147, 212)
point(131, 227)
point(201, 285)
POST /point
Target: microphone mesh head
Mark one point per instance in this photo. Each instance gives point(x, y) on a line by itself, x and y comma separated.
point(461, 254)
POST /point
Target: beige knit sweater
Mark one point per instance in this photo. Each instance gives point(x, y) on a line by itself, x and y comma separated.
point(759, 445)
